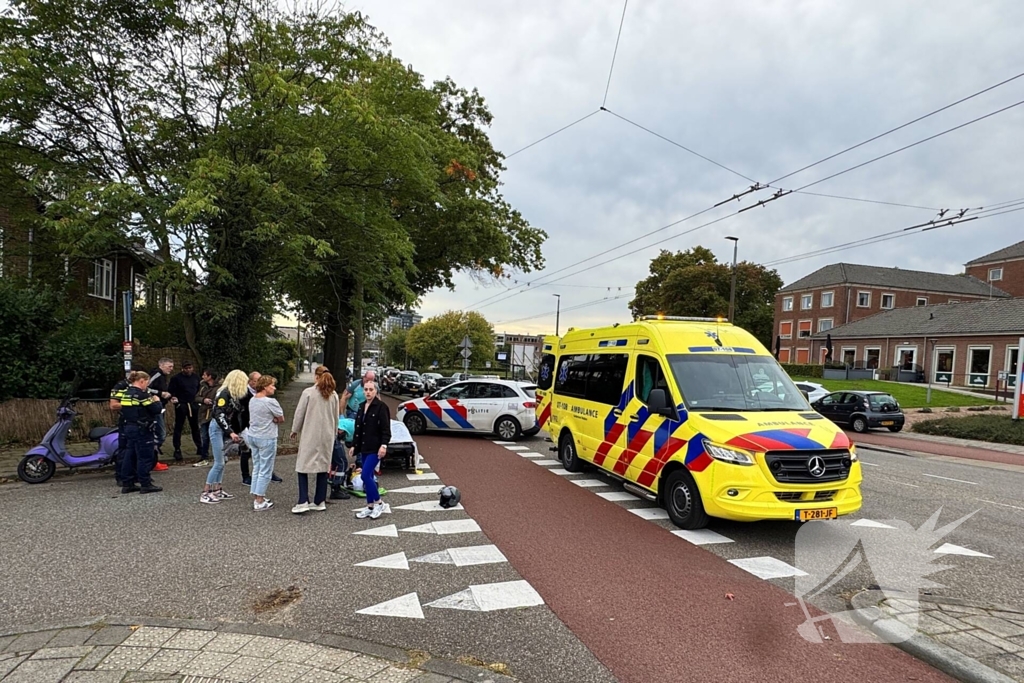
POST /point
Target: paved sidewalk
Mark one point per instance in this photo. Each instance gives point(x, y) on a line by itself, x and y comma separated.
point(962, 443)
point(111, 650)
point(974, 642)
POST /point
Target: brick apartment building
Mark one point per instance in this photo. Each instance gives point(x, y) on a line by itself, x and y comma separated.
point(1004, 268)
point(843, 293)
point(964, 344)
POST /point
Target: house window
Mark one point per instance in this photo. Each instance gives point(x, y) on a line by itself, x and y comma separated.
point(101, 284)
point(786, 329)
point(824, 324)
point(871, 357)
point(804, 328)
point(803, 356)
point(979, 361)
point(943, 362)
point(922, 301)
point(906, 358)
point(888, 301)
point(806, 301)
point(849, 356)
point(863, 299)
point(827, 299)
point(787, 303)
point(995, 274)
point(1012, 369)
point(784, 355)
point(140, 291)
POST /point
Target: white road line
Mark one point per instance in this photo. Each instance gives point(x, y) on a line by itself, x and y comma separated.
point(950, 549)
point(767, 567)
point(545, 463)
point(871, 524)
point(504, 443)
point(961, 481)
point(903, 483)
point(529, 454)
point(517, 448)
point(407, 606)
point(559, 471)
point(429, 488)
point(650, 513)
point(396, 561)
point(1005, 505)
point(869, 464)
point(616, 496)
point(465, 557)
point(589, 483)
point(428, 476)
point(445, 528)
point(489, 597)
point(701, 536)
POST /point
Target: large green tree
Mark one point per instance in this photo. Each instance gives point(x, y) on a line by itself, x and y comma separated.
point(438, 339)
point(694, 283)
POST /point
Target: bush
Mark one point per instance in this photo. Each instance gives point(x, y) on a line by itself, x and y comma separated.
point(795, 370)
point(991, 428)
point(48, 348)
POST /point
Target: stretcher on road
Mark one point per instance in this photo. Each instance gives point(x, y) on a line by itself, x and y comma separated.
point(402, 449)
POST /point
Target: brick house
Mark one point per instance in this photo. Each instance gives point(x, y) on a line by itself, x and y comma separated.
point(1003, 268)
point(29, 254)
point(843, 293)
point(962, 344)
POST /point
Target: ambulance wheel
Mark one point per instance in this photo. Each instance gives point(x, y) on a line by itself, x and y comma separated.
point(415, 423)
point(508, 428)
point(567, 454)
point(682, 501)
point(35, 469)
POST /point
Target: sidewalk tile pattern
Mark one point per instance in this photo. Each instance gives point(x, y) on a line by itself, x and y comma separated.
point(155, 654)
point(993, 636)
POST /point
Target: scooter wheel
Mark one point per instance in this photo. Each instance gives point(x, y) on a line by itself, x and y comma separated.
point(35, 469)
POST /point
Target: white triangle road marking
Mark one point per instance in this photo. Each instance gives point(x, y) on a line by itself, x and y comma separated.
point(427, 488)
point(390, 530)
point(545, 463)
point(950, 549)
point(428, 506)
point(530, 454)
point(617, 496)
point(650, 513)
point(517, 448)
point(767, 567)
point(504, 443)
point(701, 536)
point(396, 561)
point(490, 597)
point(559, 471)
point(465, 557)
point(426, 476)
point(871, 524)
point(446, 527)
point(407, 606)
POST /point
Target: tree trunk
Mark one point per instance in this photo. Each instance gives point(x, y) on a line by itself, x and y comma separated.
point(189, 322)
point(336, 346)
point(357, 333)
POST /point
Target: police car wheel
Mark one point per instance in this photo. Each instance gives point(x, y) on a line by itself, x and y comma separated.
point(35, 469)
point(415, 423)
point(567, 454)
point(508, 428)
point(682, 501)
point(860, 425)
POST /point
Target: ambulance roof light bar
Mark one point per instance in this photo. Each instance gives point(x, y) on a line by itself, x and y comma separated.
point(683, 318)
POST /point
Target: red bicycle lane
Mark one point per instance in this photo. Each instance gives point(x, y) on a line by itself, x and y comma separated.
point(908, 443)
point(650, 606)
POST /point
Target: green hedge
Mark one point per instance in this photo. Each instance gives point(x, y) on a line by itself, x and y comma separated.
point(991, 428)
point(795, 370)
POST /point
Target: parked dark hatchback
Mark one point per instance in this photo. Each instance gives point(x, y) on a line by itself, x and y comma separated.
point(861, 410)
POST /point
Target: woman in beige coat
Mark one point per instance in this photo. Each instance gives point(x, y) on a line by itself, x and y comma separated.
point(316, 419)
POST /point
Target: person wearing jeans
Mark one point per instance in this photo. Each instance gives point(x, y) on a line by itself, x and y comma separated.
point(265, 414)
point(373, 433)
point(204, 399)
point(226, 403)
point(316, 419)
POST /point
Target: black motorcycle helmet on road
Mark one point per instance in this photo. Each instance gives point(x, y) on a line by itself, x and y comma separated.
point(450, 497)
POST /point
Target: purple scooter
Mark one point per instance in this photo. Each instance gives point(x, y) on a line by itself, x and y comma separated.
point(40, 463)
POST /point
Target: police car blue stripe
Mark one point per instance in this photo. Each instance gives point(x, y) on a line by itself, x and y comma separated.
point(459, 420)
point(429, 414)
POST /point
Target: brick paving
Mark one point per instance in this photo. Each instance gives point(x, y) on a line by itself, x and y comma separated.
point(198, 655)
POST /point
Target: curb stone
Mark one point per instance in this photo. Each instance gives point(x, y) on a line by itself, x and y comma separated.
point(943, 658)
point(432, 667)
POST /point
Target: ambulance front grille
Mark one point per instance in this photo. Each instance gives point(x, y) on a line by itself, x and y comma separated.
point(799, 496)
point(794, 467)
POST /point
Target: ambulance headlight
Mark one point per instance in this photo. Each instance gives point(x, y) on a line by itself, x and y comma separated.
point(728, 454)
point(853, 453)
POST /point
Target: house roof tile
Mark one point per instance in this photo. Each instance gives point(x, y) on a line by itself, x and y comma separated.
point(897, 278)
point(995, 317)
point(1014, 251)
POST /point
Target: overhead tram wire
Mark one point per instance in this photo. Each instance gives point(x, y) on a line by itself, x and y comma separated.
point(615, 52)
point(565, 310)
point(551, 135)
point(900, 127)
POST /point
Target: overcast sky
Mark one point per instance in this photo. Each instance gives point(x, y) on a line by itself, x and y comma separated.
point(763, 88)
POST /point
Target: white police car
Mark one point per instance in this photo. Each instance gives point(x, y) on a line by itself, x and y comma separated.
point(495, 406)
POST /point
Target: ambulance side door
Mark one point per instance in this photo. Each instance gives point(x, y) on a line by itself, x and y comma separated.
point(647, 433)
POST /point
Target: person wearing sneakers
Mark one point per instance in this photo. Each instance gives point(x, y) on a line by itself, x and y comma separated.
point(139, 411)
point(226, 403)
point(373, 432)
point(265, 413)
point(316, 420)
point(204, 399)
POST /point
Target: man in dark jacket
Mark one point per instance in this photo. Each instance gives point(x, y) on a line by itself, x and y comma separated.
point(158, 386)
point(139, 410)
point(204, 401)
point(183, 388)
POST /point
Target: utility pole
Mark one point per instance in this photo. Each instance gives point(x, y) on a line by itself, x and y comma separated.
point(732, 290)
point(558, 312)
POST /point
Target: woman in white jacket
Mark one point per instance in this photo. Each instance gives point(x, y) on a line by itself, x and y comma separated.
point(315, 424)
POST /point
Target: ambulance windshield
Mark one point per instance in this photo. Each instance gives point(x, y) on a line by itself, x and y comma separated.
point(734, 382)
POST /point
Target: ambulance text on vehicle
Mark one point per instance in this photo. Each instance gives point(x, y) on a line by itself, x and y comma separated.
point(698, 415)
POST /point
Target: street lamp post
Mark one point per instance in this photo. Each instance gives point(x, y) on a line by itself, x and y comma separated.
point(732, 290)
point(558, 312)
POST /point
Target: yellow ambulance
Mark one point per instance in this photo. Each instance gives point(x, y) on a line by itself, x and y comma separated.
point(697, 415)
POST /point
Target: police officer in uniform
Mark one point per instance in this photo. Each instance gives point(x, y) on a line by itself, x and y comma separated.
point(116, 394)
point(139, 412)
